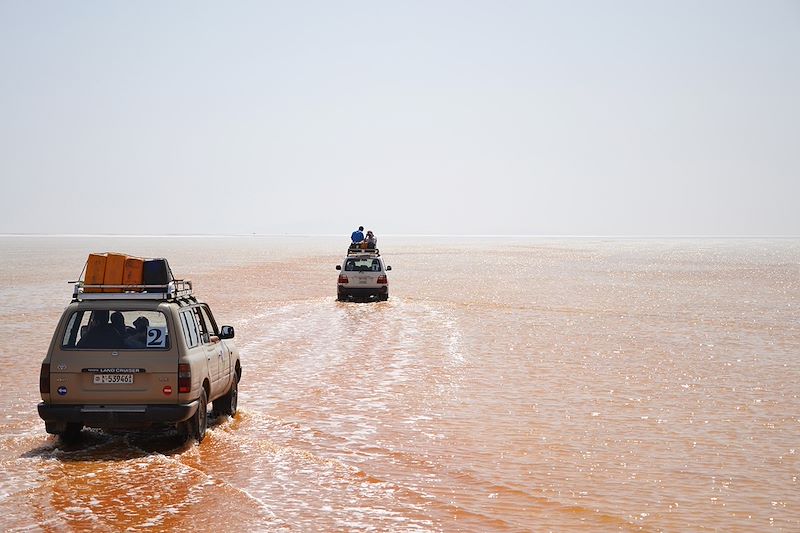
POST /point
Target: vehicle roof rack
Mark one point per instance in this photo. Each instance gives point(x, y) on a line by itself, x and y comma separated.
point(363, 251)
point(173, 290)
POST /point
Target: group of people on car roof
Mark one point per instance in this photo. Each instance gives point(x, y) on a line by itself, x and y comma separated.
point(359, 240)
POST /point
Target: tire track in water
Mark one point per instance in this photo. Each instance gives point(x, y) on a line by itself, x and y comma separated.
point(352, 365)
point(306, 490)
point(316, 341)
point(356, 383)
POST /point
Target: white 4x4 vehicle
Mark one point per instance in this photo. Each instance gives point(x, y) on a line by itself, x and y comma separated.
point(362, 276)
point(152, 354)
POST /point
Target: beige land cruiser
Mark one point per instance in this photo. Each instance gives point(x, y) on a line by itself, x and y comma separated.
point(149, 354)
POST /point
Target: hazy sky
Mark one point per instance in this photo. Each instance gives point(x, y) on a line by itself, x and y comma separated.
point(455, 117)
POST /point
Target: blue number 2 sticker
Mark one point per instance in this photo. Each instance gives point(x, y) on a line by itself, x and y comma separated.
point(156, 337)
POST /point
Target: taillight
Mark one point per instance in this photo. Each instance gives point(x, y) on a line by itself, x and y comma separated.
point(342, 278)
point(184, 378)
point(382, 279)
point(44, 378)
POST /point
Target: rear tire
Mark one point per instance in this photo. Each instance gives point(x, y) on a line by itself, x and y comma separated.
point(199, 422)
point(55, 428)
point(227, 405)
point(72, 433)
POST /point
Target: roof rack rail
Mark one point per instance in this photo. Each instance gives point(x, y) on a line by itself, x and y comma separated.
point(363, 251)
point(173, 290)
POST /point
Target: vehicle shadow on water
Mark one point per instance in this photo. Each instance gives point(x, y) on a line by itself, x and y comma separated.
point(120, 444)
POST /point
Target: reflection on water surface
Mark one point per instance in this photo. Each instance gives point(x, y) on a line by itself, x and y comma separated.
point(507, 385)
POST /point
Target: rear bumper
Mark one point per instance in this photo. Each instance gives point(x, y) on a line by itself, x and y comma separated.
point(114, 416)
point(359, 292)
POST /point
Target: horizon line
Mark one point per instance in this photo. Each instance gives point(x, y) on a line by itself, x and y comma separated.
point(426, 235)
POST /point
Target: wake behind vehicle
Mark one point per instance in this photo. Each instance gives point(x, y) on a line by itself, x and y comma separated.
point(135, 348)
point(362, 276)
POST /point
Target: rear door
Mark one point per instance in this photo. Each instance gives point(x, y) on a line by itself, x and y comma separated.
point(209, 339)
point(223, 355)
point(97, 361)
point(363, 271)
point(196, 354)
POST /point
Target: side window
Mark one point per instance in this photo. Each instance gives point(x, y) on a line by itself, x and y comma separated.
point(189, 327)
point(204, 336)
point(208, 318)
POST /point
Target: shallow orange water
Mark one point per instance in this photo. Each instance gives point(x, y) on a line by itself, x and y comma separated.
point(507, 385)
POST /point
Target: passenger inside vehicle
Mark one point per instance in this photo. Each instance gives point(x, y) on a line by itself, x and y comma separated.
point(138, 338)
point(100, 333)
point(118, 321)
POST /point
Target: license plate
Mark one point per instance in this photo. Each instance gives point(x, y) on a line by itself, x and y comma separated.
point(113, 378)
point(362, 281)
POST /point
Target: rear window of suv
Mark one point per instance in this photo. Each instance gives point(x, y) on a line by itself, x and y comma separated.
point(109, 329)
point(362, 265)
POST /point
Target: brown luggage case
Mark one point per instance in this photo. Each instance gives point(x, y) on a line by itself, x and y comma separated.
point(115, 265)
point(95, 271)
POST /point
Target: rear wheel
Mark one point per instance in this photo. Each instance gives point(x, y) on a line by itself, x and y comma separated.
point(54, 428)
point(227, 405)
point(72, 432)
point(196, 426)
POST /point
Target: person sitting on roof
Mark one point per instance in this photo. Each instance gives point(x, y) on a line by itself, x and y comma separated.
point(357, 236)
point(371, 240)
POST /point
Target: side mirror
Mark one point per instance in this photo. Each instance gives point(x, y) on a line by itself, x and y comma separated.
point(388, 267)
point(338, 267)
point(226, 332)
